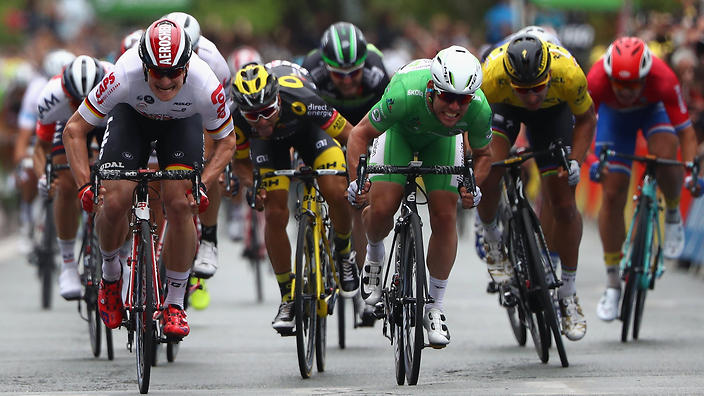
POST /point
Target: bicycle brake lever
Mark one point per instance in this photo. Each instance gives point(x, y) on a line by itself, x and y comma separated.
point(361, 172)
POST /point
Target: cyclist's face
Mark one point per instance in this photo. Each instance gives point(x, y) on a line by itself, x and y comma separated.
point(447, 112)
point(627, 93)
point(348, 83)
point(530, 98)
point(263, 126)
point(164, 87)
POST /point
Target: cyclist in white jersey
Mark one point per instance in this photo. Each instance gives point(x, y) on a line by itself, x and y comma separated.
point(159, 92)
point(57, 102)
point(206, 262)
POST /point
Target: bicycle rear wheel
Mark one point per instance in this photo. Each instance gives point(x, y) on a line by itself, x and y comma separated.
point(144, 308)
point(414, 299)
point(305, 297)
point(516, 318)
point(340, 311)
point(331, 298)
point(633, 271)
point(45, 256)
point(537, 251)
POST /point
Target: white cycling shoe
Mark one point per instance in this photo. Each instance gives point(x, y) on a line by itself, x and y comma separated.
point(371, 281)
point(607, 308)
point(435, 324)
point(70, 284)
point(674, 239)
point(206, 260)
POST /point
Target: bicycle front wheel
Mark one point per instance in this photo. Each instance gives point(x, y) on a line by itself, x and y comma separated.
point(305, 295)
point(144, 308)
point(413, 299)
point(634, 269)
point(91, 274)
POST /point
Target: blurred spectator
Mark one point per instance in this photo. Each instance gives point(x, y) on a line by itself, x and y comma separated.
point(499, 21)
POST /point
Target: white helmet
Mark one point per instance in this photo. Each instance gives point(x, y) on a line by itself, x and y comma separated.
point(189, 24)
point(131, 40)
point(54, 61)
point(456, 70)
point(544, 34)
point(81, 75)
point(242, 56)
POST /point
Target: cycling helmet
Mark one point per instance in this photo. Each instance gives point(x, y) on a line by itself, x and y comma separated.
point(527, 60)
point(628, 59)
point(547, 35)
point(55, 60)
point(254, 87)
point(242, 56)
point(343, 46)
point(80, 76)
point(189, 24)
point(455, 69)
point(165, 45)
point(130, 40)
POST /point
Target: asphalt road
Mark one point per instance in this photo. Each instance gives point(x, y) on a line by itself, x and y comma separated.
point(232, 348)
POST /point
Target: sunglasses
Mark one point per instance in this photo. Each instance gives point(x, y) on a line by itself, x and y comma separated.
point(633, 85)
point(534, 89)
point(449, 97)
point(265, 112)
point(170, 73)
point(342, 73)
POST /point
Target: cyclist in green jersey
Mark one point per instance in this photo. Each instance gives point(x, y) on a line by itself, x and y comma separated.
point(433, 108)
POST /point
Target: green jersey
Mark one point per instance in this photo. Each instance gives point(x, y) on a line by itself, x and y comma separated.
point(404, 109)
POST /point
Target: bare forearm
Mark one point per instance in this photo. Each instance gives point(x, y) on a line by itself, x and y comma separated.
point(583, 135)
point(688, 143)
point(77, 154)
point(243, 170)
point(224, 149)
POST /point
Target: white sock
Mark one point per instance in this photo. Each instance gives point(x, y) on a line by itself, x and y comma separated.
point(436, 290)
point(176, 283)
point(491, 231)
point(125, 251)
point(111, 265)
point(569, 284)
point(673, 215)
point(66, 247)
point(375, 250)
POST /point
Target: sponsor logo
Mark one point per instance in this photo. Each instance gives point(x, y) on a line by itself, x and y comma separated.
point(178, 154)
point(376, 115)
point(329, 165)
point(389, 103)
point(319, 110)
point(149, 99)
point(260, 159)
point(414, 92)
point(218, 97)
point(164, 52)
point(320, 144)
point(182, 103)
point(298, 108)
point(48, 104)
point(127, 155)
point(270, 183)
point(112, 165)
point(103, 87)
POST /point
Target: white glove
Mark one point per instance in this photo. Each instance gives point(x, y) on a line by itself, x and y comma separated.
point(573, 174)
point(352, 193)
point(43, 187)
point(477, 196)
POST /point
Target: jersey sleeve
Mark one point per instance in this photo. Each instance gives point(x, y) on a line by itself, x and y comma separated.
point(576, 93)
point(242, 149)
point(215, 112)
point(323, 115)
point(479, 131)
point(596, 83)
point(391, 108)
point(670, 92)
point(104, 96)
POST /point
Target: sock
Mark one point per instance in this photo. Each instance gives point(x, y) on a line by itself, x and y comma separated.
point(66, 247)
point(342, 243)
point(569, 286)
point(436, 290)
point(375, 250)
point(25, 213)
point(672, 214)
point(210, 234)
point(125, 251)
point(491, 231)
point(285, 282)
point(176, 283)
point(612, 260)
point(111, 265)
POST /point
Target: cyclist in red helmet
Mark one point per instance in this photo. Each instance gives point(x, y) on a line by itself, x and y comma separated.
point(633, 89)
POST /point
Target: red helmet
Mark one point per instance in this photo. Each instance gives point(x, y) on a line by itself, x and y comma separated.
point(242, 56)
point(628, 59)
point(165, 45)
point(131, 40)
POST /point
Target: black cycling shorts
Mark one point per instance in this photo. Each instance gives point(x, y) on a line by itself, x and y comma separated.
point(543, 126)
point(128, 137)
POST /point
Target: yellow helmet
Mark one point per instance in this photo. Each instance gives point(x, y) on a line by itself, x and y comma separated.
point(254, 87)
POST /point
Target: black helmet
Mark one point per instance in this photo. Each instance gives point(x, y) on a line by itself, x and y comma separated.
point(343, 46)
point(527, 60)
point(254, 87)
point(80, 76)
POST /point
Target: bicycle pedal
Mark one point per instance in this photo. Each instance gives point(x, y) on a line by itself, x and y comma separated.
point(435, 346)
point(379, 311)
point(202, 275)
point(286, 332)
point(508, 300)
point(171, 339)
point(492, 287)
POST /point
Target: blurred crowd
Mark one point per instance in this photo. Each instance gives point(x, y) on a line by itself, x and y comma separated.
point(677, 38)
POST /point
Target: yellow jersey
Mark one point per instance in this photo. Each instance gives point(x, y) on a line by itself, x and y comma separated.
point(567, 81)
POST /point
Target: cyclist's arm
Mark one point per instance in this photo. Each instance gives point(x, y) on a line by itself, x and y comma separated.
point(243, 169)
point(223, 151)
point(75, 132)
point(583, 135)
point(24, 136)
point(41, 148)
point(688, 143)
point(482, 162)
point(360, 136)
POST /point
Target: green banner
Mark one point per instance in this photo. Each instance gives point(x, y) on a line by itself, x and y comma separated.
point(590, 5)
point(138, 8)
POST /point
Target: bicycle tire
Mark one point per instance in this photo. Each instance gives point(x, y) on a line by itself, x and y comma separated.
point(320, 342)
point(254, 259)
point(172, 351)
point(305, 298)
point(534, 233)
point(340, 312)
point(92, 262)
point(414, 292)
point(516, 319)
point(144, 302)
point(635, 265)
point(328, 283)
point(108, 342)
point(638, 314)
point(393, 302)
point(45, 257)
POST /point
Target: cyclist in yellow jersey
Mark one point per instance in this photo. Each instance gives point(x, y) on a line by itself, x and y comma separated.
point(541, 85)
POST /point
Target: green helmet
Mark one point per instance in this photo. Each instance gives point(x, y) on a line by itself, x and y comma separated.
point(343, 46)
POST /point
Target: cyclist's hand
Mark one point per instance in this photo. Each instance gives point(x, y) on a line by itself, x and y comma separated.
point(358, 200)
point(86, 195)
point(234, 185)
point(257, 199)
point(572, 174)
point(470, 200)
point(697, 184)
point(204, 201)
point(43, 187)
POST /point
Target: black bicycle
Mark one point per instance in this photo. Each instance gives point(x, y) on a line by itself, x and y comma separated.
point(530, 297)
point(404, 297)
point(145, 297)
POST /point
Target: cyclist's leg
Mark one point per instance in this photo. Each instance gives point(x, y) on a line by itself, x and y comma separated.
point(206, 262)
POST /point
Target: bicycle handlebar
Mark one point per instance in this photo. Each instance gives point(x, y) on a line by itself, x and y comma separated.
point(555, 150)
point(305, 173)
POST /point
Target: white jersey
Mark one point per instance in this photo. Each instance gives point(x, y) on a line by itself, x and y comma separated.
point(27, 117)
point(201, 94)
point(55, 106)
point(209, 53)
